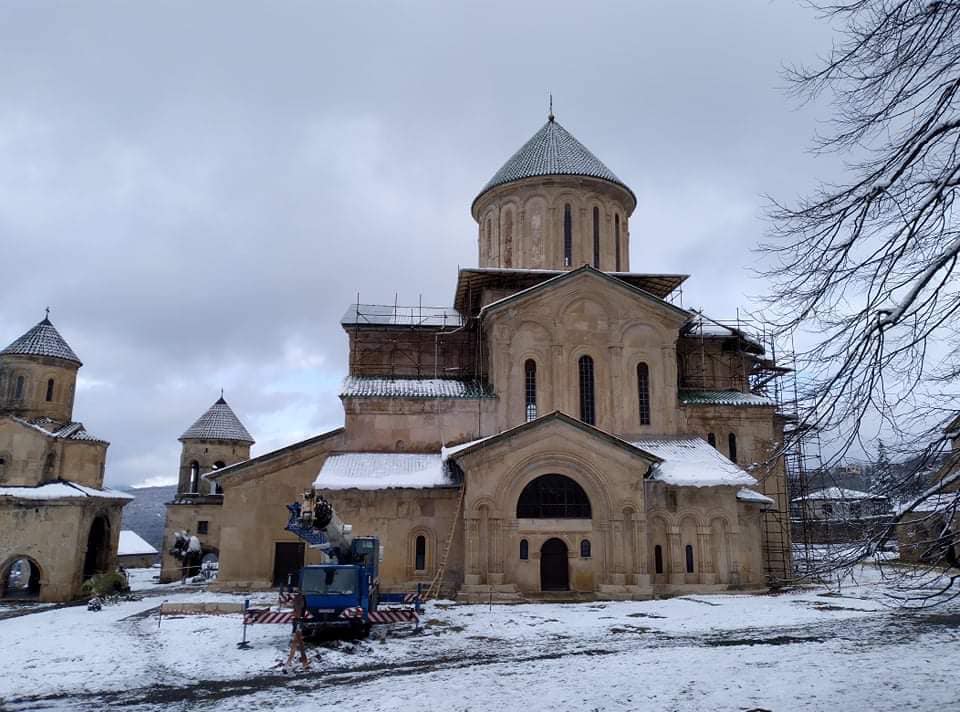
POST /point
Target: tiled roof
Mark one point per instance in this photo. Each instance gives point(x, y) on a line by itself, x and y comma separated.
point(384, 387)
point(218, 423)
point(552, 151)
point(66, 431)
point(692, 462)
point(731, 398)
point(42, 340)
point(382, 470)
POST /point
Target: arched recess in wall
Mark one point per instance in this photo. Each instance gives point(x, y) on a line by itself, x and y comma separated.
point(5, 464)
point(96, 559)
point(596, 237)
point(616, 242)
point(49, 466)
point(732, 446)
point(588, 401)
point(567, 235)
point(689, 548)
point(659, 551)
point(507, 231)
point(643, 392)
point(20, 579)
point(720, 548)
point(421, 551)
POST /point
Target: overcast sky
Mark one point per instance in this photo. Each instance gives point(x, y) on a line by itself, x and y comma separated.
point(198, 190)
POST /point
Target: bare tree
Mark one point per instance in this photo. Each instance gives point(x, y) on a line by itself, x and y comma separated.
point(866, 272)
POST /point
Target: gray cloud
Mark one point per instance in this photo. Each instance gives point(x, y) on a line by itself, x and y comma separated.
point(199, 190)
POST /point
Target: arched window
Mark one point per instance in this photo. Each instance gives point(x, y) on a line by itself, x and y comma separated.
point(689, 551)
point(616, 239)
point(658, 559)
point(530, 388)
point(524, 550)
point(587, 404)
point(553, 497)
point(18, 393)
point(567, 236)
point(49, 390)
point(585, 549)
point(596, 238)
point(732, 443)
point(643, 392)
point(420, 557)
point(488, 246)
point(194, 477)
point(712, 439)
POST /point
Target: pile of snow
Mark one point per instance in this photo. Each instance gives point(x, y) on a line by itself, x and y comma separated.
point(692, 462)
point(749, 495)
point(132, 544)
point(839, 493)
point(382, 470)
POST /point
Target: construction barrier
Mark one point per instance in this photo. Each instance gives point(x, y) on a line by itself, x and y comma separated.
point(259, 616)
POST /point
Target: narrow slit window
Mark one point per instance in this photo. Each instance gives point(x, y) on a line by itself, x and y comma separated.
point(49, 390)
point(420, 557)
point(18, 393)
point(732, 444)
point(712, 439)
point(643, 392)
point(194, 477)
point(585, 549)
point(596, 238)
point(567, 236)
point(524, 550)
point(530, 388)
point(658, 559)
point(587, 403)
point(616, 240)
point(689, 552)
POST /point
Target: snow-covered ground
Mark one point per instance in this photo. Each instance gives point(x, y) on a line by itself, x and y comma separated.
point(804, 650)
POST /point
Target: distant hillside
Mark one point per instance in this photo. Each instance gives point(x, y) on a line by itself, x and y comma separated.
point(146, 514)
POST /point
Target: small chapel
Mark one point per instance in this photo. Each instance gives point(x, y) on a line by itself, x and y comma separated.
point(58, 524)
point(564, 429)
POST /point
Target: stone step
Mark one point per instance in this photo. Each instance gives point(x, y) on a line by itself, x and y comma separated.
point(485, 588)
point(472, 597)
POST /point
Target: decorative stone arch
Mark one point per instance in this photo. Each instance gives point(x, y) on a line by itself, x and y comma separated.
point(430, 550)
point(660, 525)
point(509, 218)
point(36, 579)
point(691, 554)
point(606, 308)
point(577, 468)
point(721, 547)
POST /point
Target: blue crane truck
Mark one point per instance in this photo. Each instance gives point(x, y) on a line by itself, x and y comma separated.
point(344, 594)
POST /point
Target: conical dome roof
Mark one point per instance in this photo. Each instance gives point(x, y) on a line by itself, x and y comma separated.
point(552, 151)
point(42, 340)
point(218, 423)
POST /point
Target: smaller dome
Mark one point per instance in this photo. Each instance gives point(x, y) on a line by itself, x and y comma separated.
point(218, 423)
point(42, 340)
point(552, 151)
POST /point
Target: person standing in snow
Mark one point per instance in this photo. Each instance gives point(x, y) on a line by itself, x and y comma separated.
point(296, 639)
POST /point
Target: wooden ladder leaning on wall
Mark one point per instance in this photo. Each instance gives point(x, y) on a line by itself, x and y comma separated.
point(434, 590)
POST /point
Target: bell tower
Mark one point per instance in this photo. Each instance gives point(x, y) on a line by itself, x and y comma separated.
point(217, 439)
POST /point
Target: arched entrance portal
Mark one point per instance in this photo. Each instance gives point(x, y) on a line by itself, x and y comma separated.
point(95, 561)
point(20, 580)
point(554, 570)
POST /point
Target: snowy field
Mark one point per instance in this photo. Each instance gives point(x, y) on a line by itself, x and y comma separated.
point(812, 649)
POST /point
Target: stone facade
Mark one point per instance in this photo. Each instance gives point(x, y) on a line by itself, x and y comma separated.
point(58, 525)
point(557, 372)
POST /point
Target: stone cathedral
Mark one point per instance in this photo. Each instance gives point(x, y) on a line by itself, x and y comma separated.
point(564, 429)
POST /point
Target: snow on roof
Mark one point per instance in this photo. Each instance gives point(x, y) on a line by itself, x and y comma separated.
point(703, 326)
point(838, 493)
point(42, 340)
point(60, 490)
point(692, 462)
point(749, 495)
point(382, 470)
point(729, 397)
point(131, 544)
point(447, 452)
point(384, 387)
point(940, 502)
point(65, 431)
point(218, 423)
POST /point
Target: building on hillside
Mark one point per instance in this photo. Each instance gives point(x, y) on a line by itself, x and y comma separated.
point(135, 553)
point(838, 503)
point(58, 524)
point(565, 428)
point(930, 531)
point(217, 439)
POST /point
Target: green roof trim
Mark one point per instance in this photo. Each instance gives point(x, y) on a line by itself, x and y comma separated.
point(725, 398)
